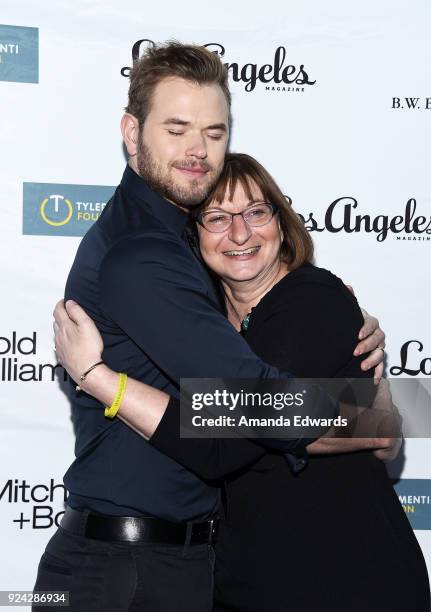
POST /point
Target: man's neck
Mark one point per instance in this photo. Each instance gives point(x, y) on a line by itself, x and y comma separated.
point(133, 166)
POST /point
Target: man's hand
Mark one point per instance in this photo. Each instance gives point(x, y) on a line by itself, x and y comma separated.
point(372, 340)
point(391, 451)
point(78, 343)
point(390, 425)
point(378, 429)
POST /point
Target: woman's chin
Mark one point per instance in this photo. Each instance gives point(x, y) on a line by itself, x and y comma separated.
point(240, 274)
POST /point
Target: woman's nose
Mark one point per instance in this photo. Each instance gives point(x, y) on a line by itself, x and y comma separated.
point(239, 231)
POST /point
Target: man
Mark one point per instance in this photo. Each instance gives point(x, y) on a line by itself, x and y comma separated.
point(137, 533)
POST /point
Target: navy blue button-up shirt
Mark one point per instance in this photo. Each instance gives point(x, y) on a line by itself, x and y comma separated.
point(160, 317)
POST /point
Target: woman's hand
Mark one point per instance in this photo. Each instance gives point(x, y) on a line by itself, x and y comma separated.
point(78, 343)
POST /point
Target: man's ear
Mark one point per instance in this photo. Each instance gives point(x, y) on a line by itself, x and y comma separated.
point(130, 131)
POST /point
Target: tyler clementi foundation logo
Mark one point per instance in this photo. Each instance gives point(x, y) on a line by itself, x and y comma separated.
point(62, 210)
point(415, 497)
point(278, 71)
point(19, 54)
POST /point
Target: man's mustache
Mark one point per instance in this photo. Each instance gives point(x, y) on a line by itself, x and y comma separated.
point(186, 165)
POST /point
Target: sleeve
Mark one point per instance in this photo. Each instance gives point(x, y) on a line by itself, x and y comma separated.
point(172, 319)
point(169, 313)
point(316, 327)
point(209, 458)
point(316, 330)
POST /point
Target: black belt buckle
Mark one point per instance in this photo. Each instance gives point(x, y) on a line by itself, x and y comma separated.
point(213, 525)
point(205, 532)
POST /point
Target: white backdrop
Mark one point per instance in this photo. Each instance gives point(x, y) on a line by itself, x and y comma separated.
point(360, 132)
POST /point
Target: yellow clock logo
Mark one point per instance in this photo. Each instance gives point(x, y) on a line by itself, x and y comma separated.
point(56, 199)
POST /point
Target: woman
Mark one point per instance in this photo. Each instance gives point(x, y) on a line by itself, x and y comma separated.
point(334, 537)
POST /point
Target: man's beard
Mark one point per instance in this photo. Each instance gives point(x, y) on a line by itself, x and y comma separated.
point(161, 181)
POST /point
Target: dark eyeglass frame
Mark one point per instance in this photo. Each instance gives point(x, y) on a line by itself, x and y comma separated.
point(203, 214)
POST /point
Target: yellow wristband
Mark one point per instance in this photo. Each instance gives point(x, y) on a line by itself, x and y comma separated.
point(111, 411)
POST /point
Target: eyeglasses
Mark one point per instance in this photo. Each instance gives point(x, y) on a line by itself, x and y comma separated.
point(257, 215)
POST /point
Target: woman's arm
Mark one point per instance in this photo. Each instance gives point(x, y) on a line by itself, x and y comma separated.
point(79, 345)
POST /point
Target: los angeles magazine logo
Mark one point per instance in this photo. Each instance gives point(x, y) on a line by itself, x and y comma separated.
point(343, 215)
point(280, 74)
point(413, 360)
point(62, 210)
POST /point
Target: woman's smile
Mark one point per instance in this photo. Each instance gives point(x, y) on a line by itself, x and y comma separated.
point(243, 254)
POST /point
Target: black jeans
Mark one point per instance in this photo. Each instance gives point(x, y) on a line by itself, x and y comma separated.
point(119, 576)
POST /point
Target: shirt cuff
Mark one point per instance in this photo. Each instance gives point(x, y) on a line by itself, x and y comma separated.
point(297, 462)
point(168, 427)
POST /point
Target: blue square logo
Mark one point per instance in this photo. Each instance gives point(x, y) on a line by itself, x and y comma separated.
point(52, 209)
point(415, 497)
point(19, 54)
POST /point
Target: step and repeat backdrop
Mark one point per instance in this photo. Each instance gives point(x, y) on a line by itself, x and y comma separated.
point(333, 98)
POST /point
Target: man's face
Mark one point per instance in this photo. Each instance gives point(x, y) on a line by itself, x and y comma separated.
point(183, 142)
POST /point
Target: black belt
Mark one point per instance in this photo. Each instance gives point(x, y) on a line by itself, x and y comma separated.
point(137, 529)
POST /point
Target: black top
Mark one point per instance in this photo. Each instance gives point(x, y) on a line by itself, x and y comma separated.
point(160, 318)
point(284, 328)
point(333, 538)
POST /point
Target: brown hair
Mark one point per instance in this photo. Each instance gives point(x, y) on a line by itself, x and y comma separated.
point(172, 59)
point(297, 245)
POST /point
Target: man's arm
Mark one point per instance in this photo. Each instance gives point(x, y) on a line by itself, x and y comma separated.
point(151, 287)
point(315, 329)
point(378, 428)
point(153, 414)
point(78, 344)
point(143, 407)
point(156, 416)
point(173, 296)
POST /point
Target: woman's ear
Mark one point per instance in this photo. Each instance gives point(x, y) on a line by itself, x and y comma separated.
point(281, 231)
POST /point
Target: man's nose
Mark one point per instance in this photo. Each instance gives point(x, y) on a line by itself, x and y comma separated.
point(239, 231)
point(196, 146)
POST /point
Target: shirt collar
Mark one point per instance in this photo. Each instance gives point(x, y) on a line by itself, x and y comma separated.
point(169, 214)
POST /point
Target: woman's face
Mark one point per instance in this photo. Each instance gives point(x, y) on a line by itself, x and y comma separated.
point(241, 252)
